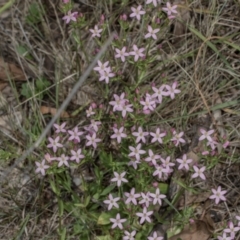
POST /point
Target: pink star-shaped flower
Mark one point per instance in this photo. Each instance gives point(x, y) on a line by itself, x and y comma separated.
point(157, 136)
point(184, 162)
point(170, 9)
point(172, 90)
point(101, 66)
point(154, 2)
point(63, 160)
point(126, 108)
point(137, 52)
point(119, 134)
point(152, 32)
point(132, 196)
point(140, 135)
point(112, 202)
point(136, 151)
point(159, 93)
point(152, 157)
point(74, 134)
point(106, 74)
point(54, 143)
point(145, 215)
point(177, 138)
point(41, 167)
point(119, 178)
point(137, 12)
point(117, 222)
point(119, 102)
point(149, 103)
point(146, 199)
point(157, 197)
point(92, 140)
point(199, 172)
point(121, 53)
point(77, 155)
point(70, 17)
point(60, 128)
point(96, 32)
point(231, 230)
point(206, 135)
point(155, 237)
point(218, 195)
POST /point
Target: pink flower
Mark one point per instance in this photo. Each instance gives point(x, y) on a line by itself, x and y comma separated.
point(152, 33)
point(134, 163)
point(144, 215)
point(119, 178)
point(96, 32)
point(231, 230)
point(92, 140)
point(157, 136)
point(218, 195)
point(160, 171)
point(101, 66)
point(137, 12)
point(137, 52)
point(172, 90)
point(159, 93)
point(152, 157)
point(131, 197)
point(136, 151)
point(126, 108)
point(177, 138)
point(74, 134)
point(155, 237)
point(94, 124)
point(60, 128)
point(199, 172)
point(206, 135)
point(106, 74)
point(54, 143)
point(129, 236)
point(154, 2)
point(149, 103)
point(212, 144)
point(170, 9)
point(140, 135)
point(41, 167)
point(117, 222)
point(157, 197)
point(118, 133)
point(77, 155)
point(121, 54)
point(167, 164)
point(90, 112)
point(70, 17)
point(63, 160)
point(119, 102)
point(226, 144)
point(224, 237)
point(184, 162)
point(112, 202)
point(145, 199)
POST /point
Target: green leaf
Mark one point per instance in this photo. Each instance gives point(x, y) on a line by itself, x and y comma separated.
point(107, 190)
point(60, 207)
point(85, 204)
point(104, 218)
point(107, 237)
point(54, 188)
